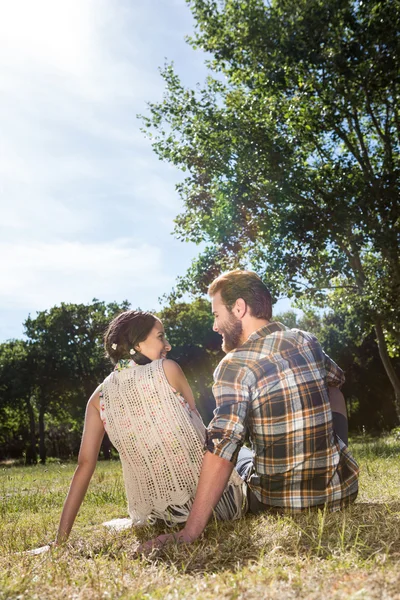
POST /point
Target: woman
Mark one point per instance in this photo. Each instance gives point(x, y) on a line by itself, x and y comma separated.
point(147, 408)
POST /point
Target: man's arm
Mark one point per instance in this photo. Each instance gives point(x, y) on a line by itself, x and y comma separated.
point(339, 414)
point(337, 401)
point(334, 374)
point(225, 435)
point(214, 476)
point(335, 378)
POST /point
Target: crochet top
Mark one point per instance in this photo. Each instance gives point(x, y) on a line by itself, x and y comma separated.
point(160, 441)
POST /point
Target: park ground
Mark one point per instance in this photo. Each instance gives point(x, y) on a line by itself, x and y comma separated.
point(353, 554)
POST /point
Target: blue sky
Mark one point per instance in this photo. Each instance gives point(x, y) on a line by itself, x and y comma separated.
point(87, 208)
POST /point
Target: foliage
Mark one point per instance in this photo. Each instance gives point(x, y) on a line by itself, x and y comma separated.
point(52, 375)
point(67, 343)
point(367, 390)
point(291, 151)
point(46, 381)
point(17, 406)
point(195, 346)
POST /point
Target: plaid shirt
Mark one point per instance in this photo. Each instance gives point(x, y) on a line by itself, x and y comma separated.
point(275, 386)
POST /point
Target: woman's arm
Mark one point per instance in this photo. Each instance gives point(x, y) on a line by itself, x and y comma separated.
point(178, 381)
point(92, 437)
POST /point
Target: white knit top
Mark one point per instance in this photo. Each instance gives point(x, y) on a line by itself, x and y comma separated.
point(160, 441)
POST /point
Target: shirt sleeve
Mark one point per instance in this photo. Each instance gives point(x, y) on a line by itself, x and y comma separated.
point(227, 430)
point(334, 374)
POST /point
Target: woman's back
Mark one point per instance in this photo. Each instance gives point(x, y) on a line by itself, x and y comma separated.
point(160, 442)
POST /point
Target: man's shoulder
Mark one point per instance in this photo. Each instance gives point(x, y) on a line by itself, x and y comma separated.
point(275, 340)
point(231, 366)
point(300, 334)
point(268, 346)
point(244, 361)
point(232, 359)
point(290, 342)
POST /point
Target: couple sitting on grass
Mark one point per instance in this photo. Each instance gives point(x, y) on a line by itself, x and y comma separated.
point(275, 384)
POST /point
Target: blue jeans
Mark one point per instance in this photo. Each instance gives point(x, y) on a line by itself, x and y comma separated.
point(245, 462)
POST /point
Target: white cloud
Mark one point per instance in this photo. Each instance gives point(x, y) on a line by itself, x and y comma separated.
point(57, 33)
point(40, 275)
point(85, 205)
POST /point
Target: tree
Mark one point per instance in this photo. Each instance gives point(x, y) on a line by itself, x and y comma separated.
point(17, 398)
point(67, 358)
point(195, 346)
point(292, 152)
point(367, 389)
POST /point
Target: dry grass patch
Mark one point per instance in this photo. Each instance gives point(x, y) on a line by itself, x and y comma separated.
point(352, 554)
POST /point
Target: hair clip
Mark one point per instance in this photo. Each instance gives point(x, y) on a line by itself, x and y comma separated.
point(114, 346)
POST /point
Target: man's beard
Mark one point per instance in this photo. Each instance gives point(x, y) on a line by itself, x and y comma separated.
point(232, 331)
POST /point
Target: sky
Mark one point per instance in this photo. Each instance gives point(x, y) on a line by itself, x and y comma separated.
point(86, 206)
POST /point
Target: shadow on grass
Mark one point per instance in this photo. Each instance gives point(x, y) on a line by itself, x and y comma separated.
point(359, 533)
point(224, 546)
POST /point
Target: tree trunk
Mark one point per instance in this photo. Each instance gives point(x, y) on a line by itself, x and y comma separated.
point(356, 265)
point(42, 445)
point(31, 454)
point(391, 373)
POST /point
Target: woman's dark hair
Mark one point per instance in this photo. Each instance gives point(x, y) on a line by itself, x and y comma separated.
point(246, 285)
point(125, 332)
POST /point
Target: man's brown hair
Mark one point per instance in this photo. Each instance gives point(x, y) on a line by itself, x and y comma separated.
point(246, 285)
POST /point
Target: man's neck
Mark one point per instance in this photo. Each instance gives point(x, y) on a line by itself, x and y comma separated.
point(252, 325)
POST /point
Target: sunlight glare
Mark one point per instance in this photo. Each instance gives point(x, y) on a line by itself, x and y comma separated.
point(58, 33)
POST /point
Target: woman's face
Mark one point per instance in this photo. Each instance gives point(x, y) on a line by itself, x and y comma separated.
point(156, 345)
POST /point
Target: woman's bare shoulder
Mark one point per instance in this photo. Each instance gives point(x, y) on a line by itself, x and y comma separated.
point(171, 367)
point(176, 378)
point(171, 364)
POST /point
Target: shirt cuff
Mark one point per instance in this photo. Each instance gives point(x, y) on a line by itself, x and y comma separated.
point(224, 448)
point(336, 380)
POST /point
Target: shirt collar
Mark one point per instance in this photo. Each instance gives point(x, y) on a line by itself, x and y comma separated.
point(267, 330)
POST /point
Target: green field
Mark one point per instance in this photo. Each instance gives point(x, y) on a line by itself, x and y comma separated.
point(353, 554)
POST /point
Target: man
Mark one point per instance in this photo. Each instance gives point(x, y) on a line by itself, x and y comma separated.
point(278, 385)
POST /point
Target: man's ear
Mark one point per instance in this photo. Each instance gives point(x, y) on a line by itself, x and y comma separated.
point(240, 308)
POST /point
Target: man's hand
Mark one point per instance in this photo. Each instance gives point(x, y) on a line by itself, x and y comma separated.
point(214, 476)
point(181, 537)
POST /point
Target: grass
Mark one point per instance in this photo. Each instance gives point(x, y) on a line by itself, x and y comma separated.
point(352, 554)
